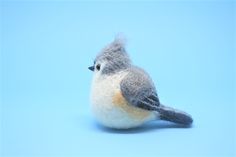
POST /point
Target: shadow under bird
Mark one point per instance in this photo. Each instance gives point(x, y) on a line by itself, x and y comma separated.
point(123, 95)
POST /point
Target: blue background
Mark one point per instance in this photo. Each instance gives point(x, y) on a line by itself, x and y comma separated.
point(188, 48)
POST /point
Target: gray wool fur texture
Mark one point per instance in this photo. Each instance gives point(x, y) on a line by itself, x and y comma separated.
point(115, 56)
point(137, 87)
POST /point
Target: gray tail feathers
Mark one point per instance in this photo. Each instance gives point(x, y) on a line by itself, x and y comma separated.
point(173, 115)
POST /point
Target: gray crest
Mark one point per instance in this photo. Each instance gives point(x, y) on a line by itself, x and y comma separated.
point(115, 57)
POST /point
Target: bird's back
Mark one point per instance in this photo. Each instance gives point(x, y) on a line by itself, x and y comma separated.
point(139, 90)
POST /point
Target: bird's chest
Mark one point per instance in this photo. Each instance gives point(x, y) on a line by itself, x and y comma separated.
point(109, 106)
point(104, 106)
point(104, 89)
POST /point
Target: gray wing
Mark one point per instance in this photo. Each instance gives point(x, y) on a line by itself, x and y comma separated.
point(139, 90)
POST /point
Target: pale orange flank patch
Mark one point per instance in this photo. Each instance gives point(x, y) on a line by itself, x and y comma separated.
point(133, 111)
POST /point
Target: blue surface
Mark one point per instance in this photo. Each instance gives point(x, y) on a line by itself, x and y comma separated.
point(188, 48)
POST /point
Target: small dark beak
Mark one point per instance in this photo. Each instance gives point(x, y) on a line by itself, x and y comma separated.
point(91, 68)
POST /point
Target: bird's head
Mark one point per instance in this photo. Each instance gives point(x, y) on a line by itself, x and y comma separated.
point(113, 58)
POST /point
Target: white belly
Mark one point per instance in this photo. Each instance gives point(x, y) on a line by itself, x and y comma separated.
point(110, 114)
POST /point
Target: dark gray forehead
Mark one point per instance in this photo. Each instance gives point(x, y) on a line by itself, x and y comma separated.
point(115, 56)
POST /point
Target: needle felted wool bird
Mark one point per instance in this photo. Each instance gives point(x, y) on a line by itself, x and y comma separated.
point(123, 95)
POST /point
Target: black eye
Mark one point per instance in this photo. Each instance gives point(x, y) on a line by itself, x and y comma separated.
point(98, 67)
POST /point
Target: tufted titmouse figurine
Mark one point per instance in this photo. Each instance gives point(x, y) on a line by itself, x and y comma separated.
point(123, 95)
